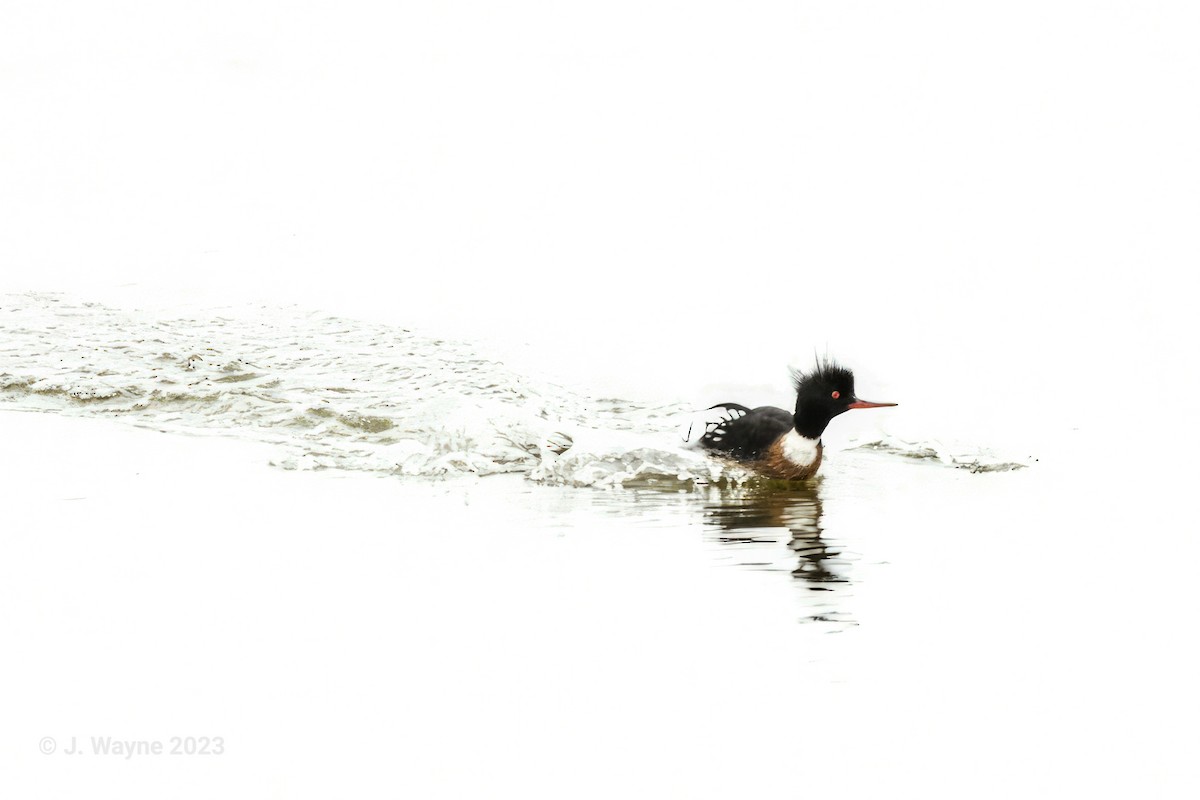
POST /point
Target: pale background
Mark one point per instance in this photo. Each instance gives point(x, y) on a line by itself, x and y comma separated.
point(953, 197)
point(988, 210)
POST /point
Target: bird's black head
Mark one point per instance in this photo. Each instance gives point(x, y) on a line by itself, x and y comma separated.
point(821, 394)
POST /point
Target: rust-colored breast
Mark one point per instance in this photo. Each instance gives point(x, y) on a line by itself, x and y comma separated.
point(774, 464)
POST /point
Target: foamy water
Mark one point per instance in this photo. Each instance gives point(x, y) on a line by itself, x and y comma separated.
point(346, 394)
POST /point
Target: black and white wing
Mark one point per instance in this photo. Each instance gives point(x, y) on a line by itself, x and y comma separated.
point(737, 431)
point(743, 433)
point(699, 429)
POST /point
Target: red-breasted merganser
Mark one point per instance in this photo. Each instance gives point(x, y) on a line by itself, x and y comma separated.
point(774, 442)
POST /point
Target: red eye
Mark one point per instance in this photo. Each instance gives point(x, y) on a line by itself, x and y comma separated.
point(836, 395)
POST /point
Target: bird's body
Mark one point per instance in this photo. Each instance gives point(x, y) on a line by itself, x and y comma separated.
point(774, 442)
point(763, 438)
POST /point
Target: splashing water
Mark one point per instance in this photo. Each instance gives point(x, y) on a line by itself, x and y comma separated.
point(337, 393)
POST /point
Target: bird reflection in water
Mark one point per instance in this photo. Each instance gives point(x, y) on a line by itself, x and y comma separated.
point(778, 528)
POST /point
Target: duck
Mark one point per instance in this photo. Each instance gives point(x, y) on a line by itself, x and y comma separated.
point(774, 442)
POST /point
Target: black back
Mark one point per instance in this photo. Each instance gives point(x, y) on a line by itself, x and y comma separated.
point(743, 433)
